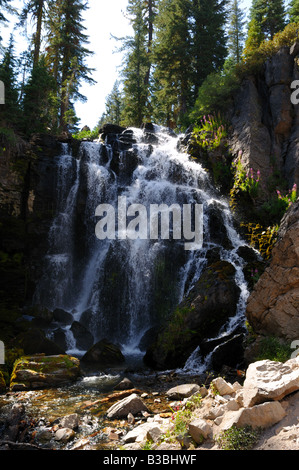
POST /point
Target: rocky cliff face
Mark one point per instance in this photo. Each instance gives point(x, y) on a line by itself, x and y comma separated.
point(264, 120)
point(27, 206)
point(273, 307)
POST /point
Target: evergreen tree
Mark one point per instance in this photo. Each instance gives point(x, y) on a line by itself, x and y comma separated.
point(66, 55)
point(9, 112)
point(209, 38)
point(270, 15)
point(40, 101)
point(294, 11)
point(236, 34)
point(35, 9)
point(136, 72)
point(113, 107)
point(173, 62)
point(254, 38)
point(5, 7)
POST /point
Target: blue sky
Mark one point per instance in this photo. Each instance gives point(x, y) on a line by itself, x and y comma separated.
point(102, 20)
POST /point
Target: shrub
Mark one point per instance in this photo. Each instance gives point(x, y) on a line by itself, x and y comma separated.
point(273, 349)
point(238, 438)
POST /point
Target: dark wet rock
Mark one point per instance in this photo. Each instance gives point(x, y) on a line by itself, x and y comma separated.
point(59, 338)
point(62, 316)
point(84, 339)
point(34, 341)
point(211, 302)
point(104, 354)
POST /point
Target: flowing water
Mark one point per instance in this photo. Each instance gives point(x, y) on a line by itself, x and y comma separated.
point(120, 288)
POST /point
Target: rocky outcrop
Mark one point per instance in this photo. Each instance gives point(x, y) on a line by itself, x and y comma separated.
point(225, 405)
point(264, 120)
point(273, 306)
point(38, 372)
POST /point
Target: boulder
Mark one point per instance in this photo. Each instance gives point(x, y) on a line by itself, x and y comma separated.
point(64, 435)
point(34, 341)
point(62, 316)
point(199, 429)
point(258, 416)
point(182, 391)
point(273, 306)
point(223, 387)
point(83, 337)
point(141, 432)
point(38, 372)
point(131, 404)
point(125, 384)
point(104, 354)
point(70, 421)
point(269, 380)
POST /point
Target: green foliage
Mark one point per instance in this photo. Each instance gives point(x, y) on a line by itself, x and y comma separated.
point(294, 11)
point(270, 15)
point(137, 66)
point(215, 93)
point(11, 355)
point(273, 349)
point(40, 103)
point(9, 112)
point(244, 180)
point(66, 56)
point(87, 134)
point(261, 238)
point(236, 35)
point(181, 421)
point(114, 107)
point(210, 133)
point(243, 438)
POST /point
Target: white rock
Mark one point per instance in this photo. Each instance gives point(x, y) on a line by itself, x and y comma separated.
point(139, 433)
point(199, 429)
point(269, 380)
point(182, 391)
point(131, 404)
point(259, 416)
point(223, 387)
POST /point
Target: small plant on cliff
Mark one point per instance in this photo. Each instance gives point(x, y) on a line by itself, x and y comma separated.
point(210, 132)
point(273, 349)
point(238, 438)
point(245, 180)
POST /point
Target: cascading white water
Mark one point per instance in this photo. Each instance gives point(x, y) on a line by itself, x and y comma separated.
point(117, 281)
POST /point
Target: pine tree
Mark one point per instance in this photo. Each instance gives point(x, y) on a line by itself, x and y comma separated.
point(136, 72)
point(236, 34)
point(40, 101)
point(113, 107)
point(254, 38)
point(35, 9)
point(10, 111)
point(66, 56)
point(209, 38)
point(173, 62)
point(270, 15)
point(5, 7)
point(294, 11)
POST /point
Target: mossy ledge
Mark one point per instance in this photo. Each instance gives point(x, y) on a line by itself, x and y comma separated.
point(40, 371)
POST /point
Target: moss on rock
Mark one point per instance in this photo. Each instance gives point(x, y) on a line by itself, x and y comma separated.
point(38, 372)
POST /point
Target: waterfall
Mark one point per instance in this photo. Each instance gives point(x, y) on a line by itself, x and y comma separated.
point(120, 288)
